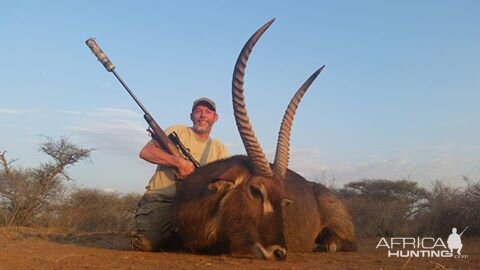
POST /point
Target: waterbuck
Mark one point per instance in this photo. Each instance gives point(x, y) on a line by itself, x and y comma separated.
point(245, 206)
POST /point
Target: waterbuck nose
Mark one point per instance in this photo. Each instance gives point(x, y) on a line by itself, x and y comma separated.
point(272, 252)
point(280, 254)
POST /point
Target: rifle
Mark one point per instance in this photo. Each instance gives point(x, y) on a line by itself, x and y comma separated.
point(171, 143)
point(463, 231)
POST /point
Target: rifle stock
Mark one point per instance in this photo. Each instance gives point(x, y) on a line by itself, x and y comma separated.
point(160, 137)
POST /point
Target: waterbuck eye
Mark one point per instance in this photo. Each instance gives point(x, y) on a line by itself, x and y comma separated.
point(256, 192)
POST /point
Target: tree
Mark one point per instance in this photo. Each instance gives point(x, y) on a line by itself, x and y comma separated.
point(94, 210)
point(469, 206)
point(382, 207)
point(450, 207)
point(403, 191)
point(26, 192)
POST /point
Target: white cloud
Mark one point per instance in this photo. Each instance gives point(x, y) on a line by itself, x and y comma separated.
point(422, 165)
point(116, 113)
point(116, 131)
point(10, 111)
point(69, 112)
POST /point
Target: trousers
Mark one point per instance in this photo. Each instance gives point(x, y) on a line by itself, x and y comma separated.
point(153, 222)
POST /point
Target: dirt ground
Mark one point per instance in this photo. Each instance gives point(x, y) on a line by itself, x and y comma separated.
point(27, 248)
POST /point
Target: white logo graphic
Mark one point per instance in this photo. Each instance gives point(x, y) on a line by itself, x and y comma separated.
point(404, 247)
point(454, 241)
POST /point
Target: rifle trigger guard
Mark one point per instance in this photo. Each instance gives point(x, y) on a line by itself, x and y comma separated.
point(150, 132)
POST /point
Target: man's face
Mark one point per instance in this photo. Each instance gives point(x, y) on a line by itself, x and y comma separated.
point(203, 119)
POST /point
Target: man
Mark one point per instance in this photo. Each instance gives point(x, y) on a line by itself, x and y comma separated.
point(153, 217)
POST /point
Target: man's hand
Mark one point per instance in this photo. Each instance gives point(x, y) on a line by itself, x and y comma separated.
point(156, 155)
point(184, 168)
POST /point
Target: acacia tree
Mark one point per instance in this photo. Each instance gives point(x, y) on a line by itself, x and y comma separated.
point(382, 207)
point(26, 192)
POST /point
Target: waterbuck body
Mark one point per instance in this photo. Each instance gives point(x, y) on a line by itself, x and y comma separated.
point(246, 205)
point(316, 220)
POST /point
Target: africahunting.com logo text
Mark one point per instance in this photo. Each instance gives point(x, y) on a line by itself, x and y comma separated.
point(404, 247)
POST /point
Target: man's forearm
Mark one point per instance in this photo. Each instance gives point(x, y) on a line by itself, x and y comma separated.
point(158, 156)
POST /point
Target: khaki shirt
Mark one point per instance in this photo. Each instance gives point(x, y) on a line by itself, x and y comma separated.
point(163, 180)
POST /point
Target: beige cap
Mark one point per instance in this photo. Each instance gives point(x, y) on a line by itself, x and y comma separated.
point(206, 102)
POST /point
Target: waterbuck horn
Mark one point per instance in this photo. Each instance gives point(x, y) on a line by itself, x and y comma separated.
point(283, 142)
point(252, 146)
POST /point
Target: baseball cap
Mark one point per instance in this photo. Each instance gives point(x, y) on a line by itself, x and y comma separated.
point(205, 102)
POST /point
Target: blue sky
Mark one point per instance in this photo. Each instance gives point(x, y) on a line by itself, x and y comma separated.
point(398, 97)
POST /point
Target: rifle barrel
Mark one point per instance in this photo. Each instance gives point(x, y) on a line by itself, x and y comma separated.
point(130, 92)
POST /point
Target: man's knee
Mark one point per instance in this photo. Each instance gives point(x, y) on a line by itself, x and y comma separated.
point(146, 242)
point(153, 224)
point(140, 243)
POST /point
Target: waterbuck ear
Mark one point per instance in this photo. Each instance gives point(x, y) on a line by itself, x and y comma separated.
point(229, 179)
point(220, 185)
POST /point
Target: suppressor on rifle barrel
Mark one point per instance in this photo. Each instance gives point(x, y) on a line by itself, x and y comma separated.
point(101, 56)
